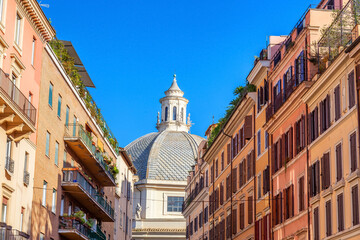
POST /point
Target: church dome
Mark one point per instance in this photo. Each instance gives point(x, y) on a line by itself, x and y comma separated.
point(166, 155)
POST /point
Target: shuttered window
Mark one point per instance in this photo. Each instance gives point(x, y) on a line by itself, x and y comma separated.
point(300, 134)
point(277, 209)
point(250, 210)
point(216, 168)
point(221, 193)
point(248, 127)
point(340, 209)
point(328, 217)
point(266, 180)
point(337, 102)
point(301, 194)
point(242, 216)
point(228, 226)
point(355, 205)
point(234, 180)
point(351, 85)
point(289, 201)
point(228, 153)
point(228, 186)
point(250, 164)
point(222, 161)
point(316, 224)
point(339, 170)
point(325, 171)
point(314, 179)
point(353, 155)
point(314, 123)
point(212, 174)
point(234, 223)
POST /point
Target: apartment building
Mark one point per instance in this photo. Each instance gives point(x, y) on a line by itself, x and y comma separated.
point(76, 158)
point(232, 188)
point(262, 198)
point(196, 205)
point(24, 31)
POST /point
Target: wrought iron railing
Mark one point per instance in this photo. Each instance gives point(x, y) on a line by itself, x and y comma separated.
point(77, 130)
point(9, 164)
point(8, 233)
point(17, 97)
point(71, 223)
point(73, 175)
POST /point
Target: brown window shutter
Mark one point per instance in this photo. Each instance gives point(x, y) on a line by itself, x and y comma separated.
point(264, 182)
point(282, 147)
point(355, 204)
point(321, 117)
point(291, 200)
point(239, 141)
point(257, 230)
point(317, 177)
point(273, 159)
point(351, 89)
point(353, 155)
point(250, 210)
point(316, 125)
point(337, 103)
point(328, 217)
point(340, 201)
point(234, 225)
point(234, 180)
point(285, 202)
point(323, 174)
point(291, 146)
point(338, 163)
point(240, 175)
point(248, 127)
point(248, 158)
point(303, 132)
point(244, 172)
point(228, 152)
point(280, 203)
point(252, 162)
point(242, 215)
point(328, 121)
point(327, 169)
point(312, 179)
point(221, 194)
point(301, 194)
point(316, 224)
point(280, 153)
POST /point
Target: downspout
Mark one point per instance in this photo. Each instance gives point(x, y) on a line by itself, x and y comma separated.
point(307, 170)
point(271, 185)
point(254, 166)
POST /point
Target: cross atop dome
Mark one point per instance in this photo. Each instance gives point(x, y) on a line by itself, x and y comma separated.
point(173, 110)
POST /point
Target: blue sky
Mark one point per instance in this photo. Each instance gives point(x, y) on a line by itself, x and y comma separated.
point(131, 49)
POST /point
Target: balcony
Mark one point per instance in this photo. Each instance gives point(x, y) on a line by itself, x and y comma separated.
point(80, 142)
point(73, 228)
point(80, 188)
point(8, 233)
point(17, 114)
point(9, 165)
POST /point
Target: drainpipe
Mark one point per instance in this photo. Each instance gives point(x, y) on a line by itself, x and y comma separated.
point(271, 185)
point(254, 166)
point(307, 170)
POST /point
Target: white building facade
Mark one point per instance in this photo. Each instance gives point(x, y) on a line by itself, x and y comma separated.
point(163, 160)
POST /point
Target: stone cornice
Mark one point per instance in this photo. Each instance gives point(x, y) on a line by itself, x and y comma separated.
point(38, 19)
point(258, 69)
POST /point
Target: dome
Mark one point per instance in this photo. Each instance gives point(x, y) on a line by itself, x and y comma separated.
point(166, 155)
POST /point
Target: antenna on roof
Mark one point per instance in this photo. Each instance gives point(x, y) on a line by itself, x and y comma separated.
point(44, 4)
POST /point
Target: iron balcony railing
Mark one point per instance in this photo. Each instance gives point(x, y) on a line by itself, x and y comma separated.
point(8, 233)
point(9, 164)
point(74, 176)
point(77, 130)
point(71, 223)
point(17, 97)
point(194, 193)
point(26, 177)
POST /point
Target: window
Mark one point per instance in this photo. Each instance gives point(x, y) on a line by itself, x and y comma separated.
point(353, 155)
point(196, 224)
point(325, 171)
point(314, 179)
point(22, 218)
point(299, 69)
point(42, 236)
point(64, 159)
point(166, 114)
point(355, 205)
point(266, 140)
point(234, 222)
point(328, 217)
point(351, 84)
point(216, 168)
point(266, 180)
point(53, 204)
point(242, 215)
point(289, 201)
point(17, 29)
point(182, 115)
point(222, 161)
point(70, 209)
point(337, 102)
point(47, 147)
point(4, 210)
point(59, 106)
point(74, 125)
point(50, 101)
point(339, 170)
point(174, 113)
point(62, 205)
point(174, 204)
point(250, 210)
point(277, 209)
point(325, 114)
point(301, 194)
point(314, 124)
point(200, 219)
point(191, 228)
point(206, 178)
point(67, 116)
point(340, 209)
point(212, 174)
point(228, 153)
point(300, 134)
point(33, 51)
point(316, 224)
point(206, 215)
point(250, 164)
point(259, 186)
point(259, 142)
point(44, 194)
point(56, 153)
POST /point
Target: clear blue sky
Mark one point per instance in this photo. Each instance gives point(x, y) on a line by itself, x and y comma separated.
point(131, 49)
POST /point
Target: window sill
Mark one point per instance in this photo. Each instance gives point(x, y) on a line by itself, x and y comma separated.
point(314, 199)
point(17, 48)
point(339, 184)
point(326, 192)
point(353, 175)
point(50, 106)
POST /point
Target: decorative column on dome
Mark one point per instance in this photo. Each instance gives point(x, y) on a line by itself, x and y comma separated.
point(173, 110)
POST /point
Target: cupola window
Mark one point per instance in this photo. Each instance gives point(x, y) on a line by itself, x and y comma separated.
point(166, 114)
point(174, 113)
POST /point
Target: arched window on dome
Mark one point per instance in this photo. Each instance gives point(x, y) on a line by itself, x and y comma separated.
point(166, 114)
point(174, 113)
point(182, 115)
